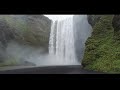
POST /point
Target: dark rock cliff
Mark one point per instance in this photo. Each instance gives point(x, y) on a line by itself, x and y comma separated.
point(93, 19)
point(116, 26)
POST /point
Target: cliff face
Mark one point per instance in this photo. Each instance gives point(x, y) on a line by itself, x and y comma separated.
point(116, 26)
point(93, 19)
point(30, 30)
point(102, 51)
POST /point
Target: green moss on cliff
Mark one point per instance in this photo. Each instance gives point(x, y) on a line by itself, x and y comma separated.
point(102, 50)
point(28, 33)
point(10, 62)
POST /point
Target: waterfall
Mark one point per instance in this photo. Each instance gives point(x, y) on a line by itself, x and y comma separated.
point(66, 43)
point(62, 42)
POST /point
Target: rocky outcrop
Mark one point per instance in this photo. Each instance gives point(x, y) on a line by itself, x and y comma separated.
point(116, 26)
point(6, 33)
point(116, 22)
point(39, 26)
point(93, 19)
point(31, 30)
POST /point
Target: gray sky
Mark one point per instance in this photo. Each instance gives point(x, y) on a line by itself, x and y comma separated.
point(58, 17)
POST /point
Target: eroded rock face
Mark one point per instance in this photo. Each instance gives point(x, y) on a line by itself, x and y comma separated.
point(31, 30)
point(116, 22)
point(116, 26)
point(6, 33)
point(93, 19)
point(39, 26)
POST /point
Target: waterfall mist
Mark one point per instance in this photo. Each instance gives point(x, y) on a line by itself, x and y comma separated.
point(82, 30)
point(66, 44)
point(28, 53)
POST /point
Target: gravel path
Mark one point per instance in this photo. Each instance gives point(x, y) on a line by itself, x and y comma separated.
point(69, 69)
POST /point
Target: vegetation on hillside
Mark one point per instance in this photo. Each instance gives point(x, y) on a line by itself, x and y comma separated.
point(30, 30)
point(102, 51)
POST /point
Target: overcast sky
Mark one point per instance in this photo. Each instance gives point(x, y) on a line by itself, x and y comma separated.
point(58, 17)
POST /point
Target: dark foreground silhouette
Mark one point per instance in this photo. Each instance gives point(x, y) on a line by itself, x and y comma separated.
point(69, 69)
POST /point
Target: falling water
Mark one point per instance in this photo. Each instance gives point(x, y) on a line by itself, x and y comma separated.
point(61, 44)
point(66, 43)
